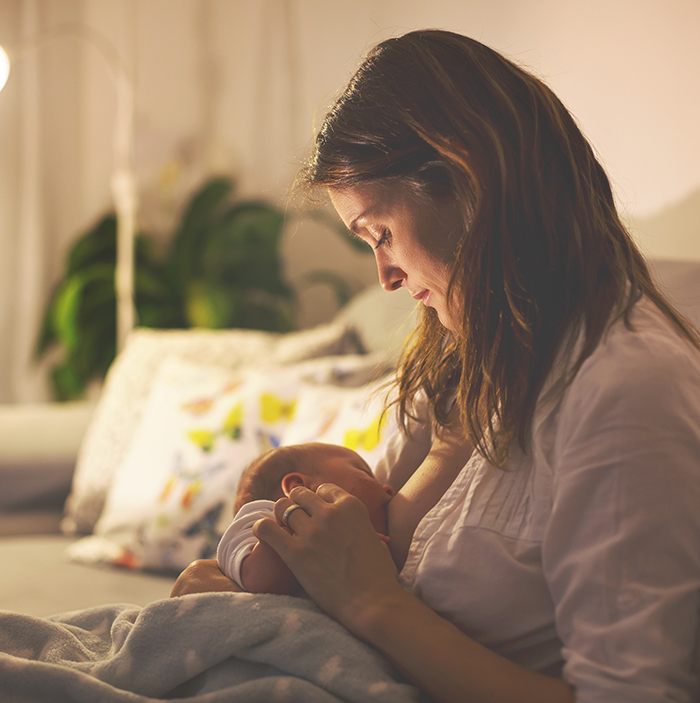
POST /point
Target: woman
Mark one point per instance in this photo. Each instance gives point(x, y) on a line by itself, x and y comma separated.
point(562, 562)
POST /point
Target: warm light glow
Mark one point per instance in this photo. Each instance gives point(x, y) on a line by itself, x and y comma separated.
point(4, 67)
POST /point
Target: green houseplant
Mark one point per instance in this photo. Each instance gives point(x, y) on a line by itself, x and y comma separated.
point(222, 268)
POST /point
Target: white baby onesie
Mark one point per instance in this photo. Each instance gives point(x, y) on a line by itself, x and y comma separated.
point(238, 540)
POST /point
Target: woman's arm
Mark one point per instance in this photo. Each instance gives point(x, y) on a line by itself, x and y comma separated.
point(424, 488)
point(442, 661)
point(621, 552)
point(345, 568)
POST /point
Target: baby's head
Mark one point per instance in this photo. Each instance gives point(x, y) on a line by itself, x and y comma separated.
point(272, 475)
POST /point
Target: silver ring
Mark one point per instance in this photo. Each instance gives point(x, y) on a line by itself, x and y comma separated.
point(287, 512)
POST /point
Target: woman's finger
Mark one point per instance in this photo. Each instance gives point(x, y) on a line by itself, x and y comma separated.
point(284, 512)
point(330, 493)
point(279, 538)
point(313, 500)
point(306, 498)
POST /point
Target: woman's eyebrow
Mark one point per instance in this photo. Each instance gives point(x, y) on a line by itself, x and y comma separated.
point(355, 225)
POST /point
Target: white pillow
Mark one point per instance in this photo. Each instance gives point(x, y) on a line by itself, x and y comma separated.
point(350, 417)
point(172, 494)
point(129, 380)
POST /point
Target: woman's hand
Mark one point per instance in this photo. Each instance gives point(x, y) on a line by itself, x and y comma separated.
point(334, 552)
point(202, 576)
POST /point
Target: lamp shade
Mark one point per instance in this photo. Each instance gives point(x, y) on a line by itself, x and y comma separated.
point(4, 67)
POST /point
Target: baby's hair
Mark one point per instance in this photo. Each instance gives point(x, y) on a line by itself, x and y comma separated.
point(262, 478)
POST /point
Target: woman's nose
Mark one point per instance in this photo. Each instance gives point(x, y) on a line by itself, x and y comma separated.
point(390, 276)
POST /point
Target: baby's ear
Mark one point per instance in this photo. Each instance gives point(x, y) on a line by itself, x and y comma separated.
point(294, 479)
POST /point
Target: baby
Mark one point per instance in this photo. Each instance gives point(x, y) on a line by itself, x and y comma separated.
point(254, 565)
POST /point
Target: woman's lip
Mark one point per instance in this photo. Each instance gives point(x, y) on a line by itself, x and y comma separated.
point(423, 296)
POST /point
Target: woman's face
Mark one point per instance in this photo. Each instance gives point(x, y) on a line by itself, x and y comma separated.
point(410, 240)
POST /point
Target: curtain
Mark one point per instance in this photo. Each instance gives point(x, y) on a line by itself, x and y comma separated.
point(54, 173)
point(24, 249)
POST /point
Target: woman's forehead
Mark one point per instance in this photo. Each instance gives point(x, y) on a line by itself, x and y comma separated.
point(365, 201)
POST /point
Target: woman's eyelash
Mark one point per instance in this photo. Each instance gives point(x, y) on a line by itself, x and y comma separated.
point(384, 237)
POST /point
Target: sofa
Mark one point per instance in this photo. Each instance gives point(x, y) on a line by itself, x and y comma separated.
point(71, 485)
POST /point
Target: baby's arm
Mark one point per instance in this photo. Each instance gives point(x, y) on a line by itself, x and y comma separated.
point(252, 565)
point(263, 571)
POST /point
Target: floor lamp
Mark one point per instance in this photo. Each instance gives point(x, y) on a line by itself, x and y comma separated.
point(123, 185)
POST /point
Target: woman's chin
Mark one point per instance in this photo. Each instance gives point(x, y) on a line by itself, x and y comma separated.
point(445, 320)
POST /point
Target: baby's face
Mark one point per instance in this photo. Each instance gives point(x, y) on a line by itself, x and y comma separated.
point(345, 468)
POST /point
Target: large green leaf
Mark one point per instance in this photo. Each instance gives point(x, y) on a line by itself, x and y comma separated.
point(66, 382)
point(244, 247)
point(210, 306)
point(47, 334)
point(214, 306)
point(79, 297)
point(201, 212)
point(97, 245)
point(87, 362)
point(204, 204)
point(66, 310)
point(223, 268)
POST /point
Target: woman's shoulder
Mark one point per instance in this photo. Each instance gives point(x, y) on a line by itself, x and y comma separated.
point(644, 373)
point(649, 353)
point(634, 406)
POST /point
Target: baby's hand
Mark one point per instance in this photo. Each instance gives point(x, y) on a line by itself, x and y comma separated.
point(202, 576)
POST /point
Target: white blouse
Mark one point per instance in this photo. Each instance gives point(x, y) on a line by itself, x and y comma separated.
point(582, 558)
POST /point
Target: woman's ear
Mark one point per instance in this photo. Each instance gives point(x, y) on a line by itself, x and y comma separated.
point(293, 479)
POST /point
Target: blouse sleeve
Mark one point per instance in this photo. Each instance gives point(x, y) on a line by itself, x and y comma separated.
point(621, 553)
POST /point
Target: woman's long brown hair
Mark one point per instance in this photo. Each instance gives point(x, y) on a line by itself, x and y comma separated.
point(542, 253)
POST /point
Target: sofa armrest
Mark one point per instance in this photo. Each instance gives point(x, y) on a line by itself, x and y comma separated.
point(38, 448)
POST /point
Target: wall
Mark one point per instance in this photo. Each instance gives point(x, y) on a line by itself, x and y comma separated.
point(250, 79)
point(627, 70)
point(241, 85)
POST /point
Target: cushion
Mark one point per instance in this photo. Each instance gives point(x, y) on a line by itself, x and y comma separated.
point(350, 417)
point(172, 494)
point(129, 381)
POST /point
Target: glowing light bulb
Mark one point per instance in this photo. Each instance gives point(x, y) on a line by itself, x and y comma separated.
point(4, 67)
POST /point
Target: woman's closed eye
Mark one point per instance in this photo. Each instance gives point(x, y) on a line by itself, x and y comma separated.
point(384, 238)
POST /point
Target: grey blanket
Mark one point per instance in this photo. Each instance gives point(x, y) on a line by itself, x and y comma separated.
point(203, 648)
